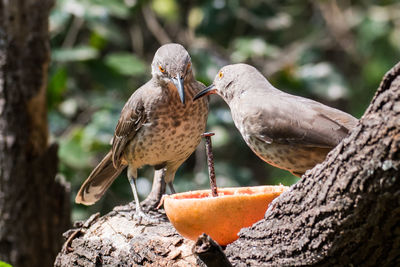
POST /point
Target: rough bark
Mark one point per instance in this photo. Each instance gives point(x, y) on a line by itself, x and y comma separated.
point(116, 239)
point(34, 209)
point(343, 212)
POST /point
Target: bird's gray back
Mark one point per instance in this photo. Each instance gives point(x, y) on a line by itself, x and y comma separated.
point(286, 118)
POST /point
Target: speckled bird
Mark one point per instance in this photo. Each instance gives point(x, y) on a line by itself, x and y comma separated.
point(287, 131)
point(160, 125)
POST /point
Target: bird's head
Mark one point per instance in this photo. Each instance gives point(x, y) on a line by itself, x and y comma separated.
point(172, 63)
point(229, 81)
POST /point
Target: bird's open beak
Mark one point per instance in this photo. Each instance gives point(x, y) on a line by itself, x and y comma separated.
point(208, 91)
point(178, 81)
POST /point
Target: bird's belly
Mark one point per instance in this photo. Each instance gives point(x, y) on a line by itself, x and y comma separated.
point(165, 140)
point(297, 159)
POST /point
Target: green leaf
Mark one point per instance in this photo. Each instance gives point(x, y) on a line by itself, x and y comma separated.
point(57, 86)
point(4, 264)
point(167, 9)
point(71, 151)
point(79, 53)
point(97, 41)
point(116, 8)
point(58, 19)
point(125, 63)
point(100, 129)
point(92, 9)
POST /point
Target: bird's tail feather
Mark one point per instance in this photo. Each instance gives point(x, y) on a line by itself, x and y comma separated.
point(98, 181)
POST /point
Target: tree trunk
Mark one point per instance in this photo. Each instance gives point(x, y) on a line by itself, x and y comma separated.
point(34, 208)
point(344, 212)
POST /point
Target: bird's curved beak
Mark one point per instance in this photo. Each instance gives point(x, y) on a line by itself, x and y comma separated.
point(178, 81)
point(207, 91)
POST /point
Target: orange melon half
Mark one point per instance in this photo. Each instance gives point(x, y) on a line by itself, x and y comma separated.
point(195, 212)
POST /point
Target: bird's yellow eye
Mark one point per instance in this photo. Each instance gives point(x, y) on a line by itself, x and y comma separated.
point(220, 74)
point(161, 69)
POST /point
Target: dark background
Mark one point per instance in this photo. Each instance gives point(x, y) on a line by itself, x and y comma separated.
point(335, 52)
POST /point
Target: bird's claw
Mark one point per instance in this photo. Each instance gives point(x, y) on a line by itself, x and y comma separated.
point(142, 218)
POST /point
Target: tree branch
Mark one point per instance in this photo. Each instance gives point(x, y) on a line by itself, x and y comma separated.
point(210, 253)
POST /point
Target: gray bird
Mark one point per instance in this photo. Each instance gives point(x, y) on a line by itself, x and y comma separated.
point(289, 132)
point(160, 125)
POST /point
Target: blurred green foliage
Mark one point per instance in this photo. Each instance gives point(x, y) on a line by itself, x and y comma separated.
point(333, 51)
point(4, 264)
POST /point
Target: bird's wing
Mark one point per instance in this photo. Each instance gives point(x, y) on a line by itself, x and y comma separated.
point(294, 120)
point(132, 117)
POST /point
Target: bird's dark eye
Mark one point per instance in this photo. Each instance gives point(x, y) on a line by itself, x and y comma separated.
point(220, 74)
point(161, 69)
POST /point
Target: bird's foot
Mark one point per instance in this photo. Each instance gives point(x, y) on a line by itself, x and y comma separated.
point(150, 204)
point(142, 218)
